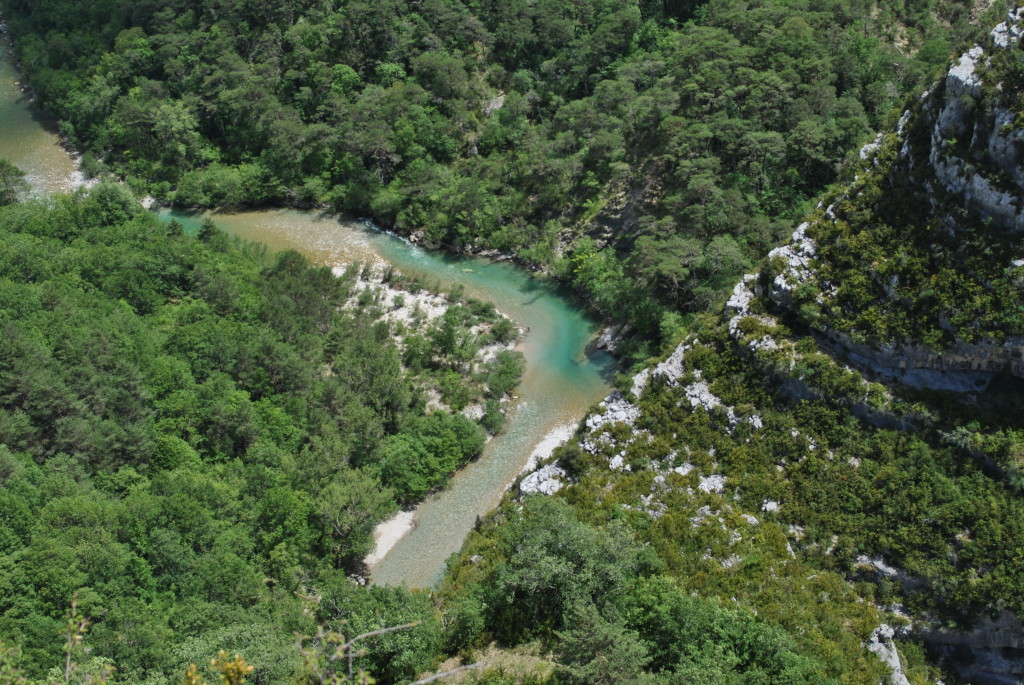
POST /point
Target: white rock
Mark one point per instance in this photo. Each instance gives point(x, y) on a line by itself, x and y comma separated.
point(702, 514)
point(903, 122)
point(672, 369)
point(474, 412)
point(546, 481)
point(640, 382)
point(867, 151)
point(700, 395)
point(609, 339)
point(684, 469)
point(731, 561)
point(880, 643)
point(493, 105)
point(963, 76)
point(742, 294)
point(879, 564)
point(712, 483)
point(770, 505)
point(798, 255)
point(1009, 31)
point(617, 410)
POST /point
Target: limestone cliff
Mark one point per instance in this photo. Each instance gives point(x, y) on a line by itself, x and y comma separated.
point(914, 269)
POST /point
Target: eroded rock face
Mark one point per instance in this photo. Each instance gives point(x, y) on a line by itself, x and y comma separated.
point(968, 153)
point(961, 174)
point(996, 648)
point(881, 645)
point(958, 114)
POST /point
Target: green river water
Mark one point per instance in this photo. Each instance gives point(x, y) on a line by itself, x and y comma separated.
point(561, 381)
point(29, 139)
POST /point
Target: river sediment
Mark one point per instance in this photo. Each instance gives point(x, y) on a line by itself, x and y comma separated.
point(563, 377)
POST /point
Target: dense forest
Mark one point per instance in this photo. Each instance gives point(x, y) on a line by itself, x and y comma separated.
point(195, 434)
point(197, 438)
point(793, 457)
point(647, 152)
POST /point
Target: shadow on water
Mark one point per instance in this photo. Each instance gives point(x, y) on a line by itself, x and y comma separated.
point(41, 118)
point(191, 220)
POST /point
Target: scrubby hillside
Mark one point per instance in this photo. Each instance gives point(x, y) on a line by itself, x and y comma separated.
point(916, 267)
point(837, 454)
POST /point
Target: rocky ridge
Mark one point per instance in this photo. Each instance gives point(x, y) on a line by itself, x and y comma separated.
point(960, 148)
point(937, 145)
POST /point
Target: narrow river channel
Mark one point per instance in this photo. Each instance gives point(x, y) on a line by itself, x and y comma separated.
point(561, 381)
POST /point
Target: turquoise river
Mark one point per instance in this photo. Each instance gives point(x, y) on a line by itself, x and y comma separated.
point(562, 378)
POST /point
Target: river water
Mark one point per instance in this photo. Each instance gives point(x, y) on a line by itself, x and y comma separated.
point(29, 139)
point(561, 381)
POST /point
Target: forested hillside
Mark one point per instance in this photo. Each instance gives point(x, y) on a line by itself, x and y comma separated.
point(841, 445)
point(195, 437)
point(198, 438)
point(649, 153)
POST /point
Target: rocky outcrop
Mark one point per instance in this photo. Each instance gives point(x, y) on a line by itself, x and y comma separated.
point(617, 409)
point(979, 171)
point(961, 149)
point(769, 348)
point(544, 481)
point(995, 646)
point(963, 367)
point(882, 645)
point(794, 266)
point(672, 370)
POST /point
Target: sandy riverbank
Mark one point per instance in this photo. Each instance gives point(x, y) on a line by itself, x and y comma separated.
point(388, 534)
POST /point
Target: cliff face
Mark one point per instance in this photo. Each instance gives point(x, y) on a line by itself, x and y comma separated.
point(987, 174)
point(914, 270)
point(967, 130)
point(996, 646)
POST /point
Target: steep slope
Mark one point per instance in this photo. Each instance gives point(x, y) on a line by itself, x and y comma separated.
point(773, 451)
point(915, 269)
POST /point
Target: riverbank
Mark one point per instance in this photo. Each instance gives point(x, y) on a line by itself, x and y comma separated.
point(563, 378)
point(389, 534)
point(564, 374)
